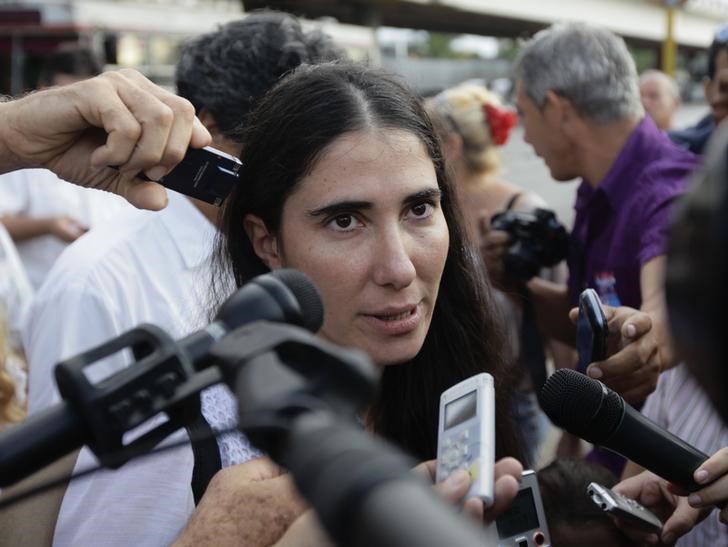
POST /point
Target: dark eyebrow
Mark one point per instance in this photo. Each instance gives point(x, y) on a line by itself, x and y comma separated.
point(430, 194)
point(340, 208)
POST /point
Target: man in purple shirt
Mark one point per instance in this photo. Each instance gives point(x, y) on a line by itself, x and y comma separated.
point(621, 222)
point(578, 95)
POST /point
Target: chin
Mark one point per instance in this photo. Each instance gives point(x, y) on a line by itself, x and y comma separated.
point(396, 356)
point(563, 176)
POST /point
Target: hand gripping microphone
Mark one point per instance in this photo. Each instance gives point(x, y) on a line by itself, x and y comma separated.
point(588, 409)
point(163, 378)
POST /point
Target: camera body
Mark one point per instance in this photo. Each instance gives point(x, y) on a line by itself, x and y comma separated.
point(538, 240)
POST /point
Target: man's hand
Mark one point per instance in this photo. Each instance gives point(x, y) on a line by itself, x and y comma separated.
point(306, 531)
point(493, 248)
point(117, 119)
point(249, 504)
point(633, 365)
point(651, 491)
point(714, 474)
point(507, 477)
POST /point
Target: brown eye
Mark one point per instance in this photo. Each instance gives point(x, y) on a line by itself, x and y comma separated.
point(421, 210)
point(343, 221)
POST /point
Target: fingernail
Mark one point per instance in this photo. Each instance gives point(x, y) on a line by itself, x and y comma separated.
point(694, 500)
point(156, 173)
point(594, 372)
point(630, 331)
point(701, 476)
point(669, 537)
point(458, 479)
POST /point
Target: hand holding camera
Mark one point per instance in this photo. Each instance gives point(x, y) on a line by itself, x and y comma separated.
point(538, 240)
point(520, 243)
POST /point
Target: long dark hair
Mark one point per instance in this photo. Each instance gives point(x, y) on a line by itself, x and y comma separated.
point(289, 129)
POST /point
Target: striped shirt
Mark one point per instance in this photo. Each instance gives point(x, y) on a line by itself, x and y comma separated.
point(680, 406)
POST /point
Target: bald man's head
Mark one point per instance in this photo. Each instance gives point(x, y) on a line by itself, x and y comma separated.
point(660, 97)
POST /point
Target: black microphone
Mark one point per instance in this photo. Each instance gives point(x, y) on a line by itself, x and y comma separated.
point(287, 296)
point(282, 296)
point(588, 409)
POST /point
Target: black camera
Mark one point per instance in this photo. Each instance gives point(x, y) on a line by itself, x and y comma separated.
point(538, 240)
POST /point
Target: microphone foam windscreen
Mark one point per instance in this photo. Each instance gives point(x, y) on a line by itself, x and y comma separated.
point(306, 294)
point(581, 405)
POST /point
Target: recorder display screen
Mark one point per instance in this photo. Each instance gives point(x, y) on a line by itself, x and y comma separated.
point(461, 409)
point(520, 517)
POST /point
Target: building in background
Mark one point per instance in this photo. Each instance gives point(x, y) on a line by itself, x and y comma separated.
point(125, 33)
point(121, 32)
point(145, 34)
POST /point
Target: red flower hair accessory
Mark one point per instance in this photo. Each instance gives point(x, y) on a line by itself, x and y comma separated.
point(501, 121)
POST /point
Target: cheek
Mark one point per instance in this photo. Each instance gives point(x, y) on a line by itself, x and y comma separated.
point(335, 271)
point(433, 253)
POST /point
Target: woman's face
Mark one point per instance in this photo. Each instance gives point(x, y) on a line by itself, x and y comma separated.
point(366, 225)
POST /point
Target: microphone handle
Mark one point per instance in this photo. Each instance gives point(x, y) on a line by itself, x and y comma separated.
point(38, 441)
point(402, 513)
point(364, 491)
point(651, 446)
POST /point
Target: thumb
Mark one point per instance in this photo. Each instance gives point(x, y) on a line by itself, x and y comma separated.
point(574, 315)
point(146, 195)
point(455, 486)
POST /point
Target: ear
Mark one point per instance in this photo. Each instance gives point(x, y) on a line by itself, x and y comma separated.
point(556, 108)
point(208, 120)
point(562, 115)
point(219, 139)
point(264, 243)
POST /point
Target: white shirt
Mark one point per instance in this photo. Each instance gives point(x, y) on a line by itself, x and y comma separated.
point(155, 270)
point(679, 405)
point(38, 193)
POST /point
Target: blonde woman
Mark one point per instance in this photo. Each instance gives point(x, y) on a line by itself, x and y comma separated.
point(15, 295)
point(13, 379)
point(472, 124)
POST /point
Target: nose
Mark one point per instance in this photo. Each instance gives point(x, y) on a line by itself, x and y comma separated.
point(393, 264)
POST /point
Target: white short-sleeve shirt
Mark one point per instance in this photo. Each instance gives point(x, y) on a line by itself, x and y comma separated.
point(40, 193)
point(155, 270)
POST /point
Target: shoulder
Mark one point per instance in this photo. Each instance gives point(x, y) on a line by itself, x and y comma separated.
point(99, 253)
point(667, 175)
point(694, 138)
point(32, 181)
point(508, 193)
point(527, 201)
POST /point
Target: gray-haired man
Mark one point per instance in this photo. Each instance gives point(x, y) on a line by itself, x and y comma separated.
point(577, 92)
